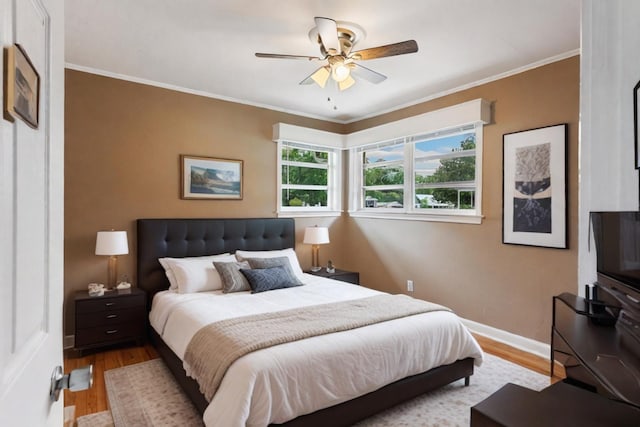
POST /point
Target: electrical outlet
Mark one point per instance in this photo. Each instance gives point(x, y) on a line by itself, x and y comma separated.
point(409, 285)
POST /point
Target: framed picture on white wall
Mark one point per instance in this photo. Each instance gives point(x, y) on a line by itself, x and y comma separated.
point(636, 124)
point(21, 87)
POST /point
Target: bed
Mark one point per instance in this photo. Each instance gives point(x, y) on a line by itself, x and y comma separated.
point(180, 238)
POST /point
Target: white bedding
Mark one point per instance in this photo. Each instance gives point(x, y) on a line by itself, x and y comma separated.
point(279, 383)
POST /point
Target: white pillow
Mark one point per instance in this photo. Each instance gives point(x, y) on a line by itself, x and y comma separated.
point(164, 262)
point(194, 274)
point(289, 253)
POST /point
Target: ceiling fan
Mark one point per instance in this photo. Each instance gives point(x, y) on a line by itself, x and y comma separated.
point(336, 40)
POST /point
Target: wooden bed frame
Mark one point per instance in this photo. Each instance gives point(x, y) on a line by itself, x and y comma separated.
point(179, 237)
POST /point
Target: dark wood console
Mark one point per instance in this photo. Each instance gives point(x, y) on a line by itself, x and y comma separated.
point(593, 351)
point(559, 405)
point(601, 357)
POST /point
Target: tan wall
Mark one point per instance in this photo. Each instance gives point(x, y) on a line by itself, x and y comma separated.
point(123, 142)
point(467, 267)
point(122, 146)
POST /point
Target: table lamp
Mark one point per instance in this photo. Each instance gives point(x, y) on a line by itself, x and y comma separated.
point(316, 236)
point(112, 243)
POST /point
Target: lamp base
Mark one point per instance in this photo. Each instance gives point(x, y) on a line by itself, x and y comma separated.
point(112, 273)
point(314, 269)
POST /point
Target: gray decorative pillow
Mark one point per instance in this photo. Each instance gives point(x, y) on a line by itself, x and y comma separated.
point(232, 279)
point(268, 279)
point(282, 261)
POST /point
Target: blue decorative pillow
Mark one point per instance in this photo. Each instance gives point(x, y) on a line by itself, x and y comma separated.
point(283, 261)
point(268, 279)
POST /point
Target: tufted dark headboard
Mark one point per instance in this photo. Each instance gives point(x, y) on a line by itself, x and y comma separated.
point(183, 237)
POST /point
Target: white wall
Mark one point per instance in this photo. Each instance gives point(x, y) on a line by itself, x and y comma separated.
point(610, 68)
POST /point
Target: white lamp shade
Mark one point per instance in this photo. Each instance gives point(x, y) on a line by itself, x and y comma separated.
point(316, 235)
point(112, 243)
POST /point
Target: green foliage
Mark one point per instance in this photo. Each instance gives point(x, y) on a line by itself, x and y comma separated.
point(299, 175)
point(386, 196)
point(454, 170)
point(384, 176)
point(304, 198)
point(306, 156)
point(295, 202)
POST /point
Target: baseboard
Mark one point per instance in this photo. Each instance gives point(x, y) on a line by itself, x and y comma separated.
point(68, 341)
point(522, 343)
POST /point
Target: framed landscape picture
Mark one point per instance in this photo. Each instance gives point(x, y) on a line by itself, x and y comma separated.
point(211, 178)
point(535, 187)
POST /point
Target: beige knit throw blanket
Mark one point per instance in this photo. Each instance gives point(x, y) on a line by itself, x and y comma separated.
point(216, 346)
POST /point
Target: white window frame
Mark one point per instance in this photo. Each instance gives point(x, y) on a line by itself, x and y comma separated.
point(477, 130)
point(474, 113)
point(311, 139)
point(358, 153)
point(461, 118)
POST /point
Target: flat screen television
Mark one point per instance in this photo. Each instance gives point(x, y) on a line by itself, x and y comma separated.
point(617, 240)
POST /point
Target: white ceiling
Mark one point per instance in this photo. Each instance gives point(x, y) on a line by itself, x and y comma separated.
point(207, 47)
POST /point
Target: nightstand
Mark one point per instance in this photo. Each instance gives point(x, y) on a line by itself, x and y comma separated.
point(115, 317)
point(342, 275)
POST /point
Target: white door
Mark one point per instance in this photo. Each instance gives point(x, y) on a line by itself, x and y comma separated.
point(31, 222)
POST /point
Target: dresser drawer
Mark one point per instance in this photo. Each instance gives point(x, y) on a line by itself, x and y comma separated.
point(108, 333)
point(106, 318)
point(105, 303)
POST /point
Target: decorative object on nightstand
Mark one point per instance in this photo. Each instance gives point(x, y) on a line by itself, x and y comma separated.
point(330, 267)
point(112, 243)
point(316, 236)
point(124, 283)
point(96, 289)
point(117, 316)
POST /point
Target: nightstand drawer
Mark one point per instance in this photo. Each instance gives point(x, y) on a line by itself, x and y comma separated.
point(109, 303)
point(108, 333)
point(105, 318)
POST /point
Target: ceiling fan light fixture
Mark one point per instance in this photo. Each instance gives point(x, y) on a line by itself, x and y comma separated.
point(321, 76)
point(340, 71)
point(336, 40)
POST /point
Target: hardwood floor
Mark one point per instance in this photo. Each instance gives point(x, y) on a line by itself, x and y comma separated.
point(522, 358)
point(95, 399)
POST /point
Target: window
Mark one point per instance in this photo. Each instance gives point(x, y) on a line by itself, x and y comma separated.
point(309, 178)
point(423, 167)
point(383, 175)
point(429, 176)
point(445, 171)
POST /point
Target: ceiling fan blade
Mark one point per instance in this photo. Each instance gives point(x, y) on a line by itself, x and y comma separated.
point(366, 73)
point(320, 76)
point(346, 83)
point(283, 56)
point(328, 32)
point(409, 46)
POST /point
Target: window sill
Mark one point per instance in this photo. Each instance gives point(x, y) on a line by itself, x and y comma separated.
point(310, 213)
point(430, 217)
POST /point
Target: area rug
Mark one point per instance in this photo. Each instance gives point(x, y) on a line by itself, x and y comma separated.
point(132, 404)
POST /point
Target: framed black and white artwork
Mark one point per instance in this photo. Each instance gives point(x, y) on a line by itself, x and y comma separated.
point(534, 187)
